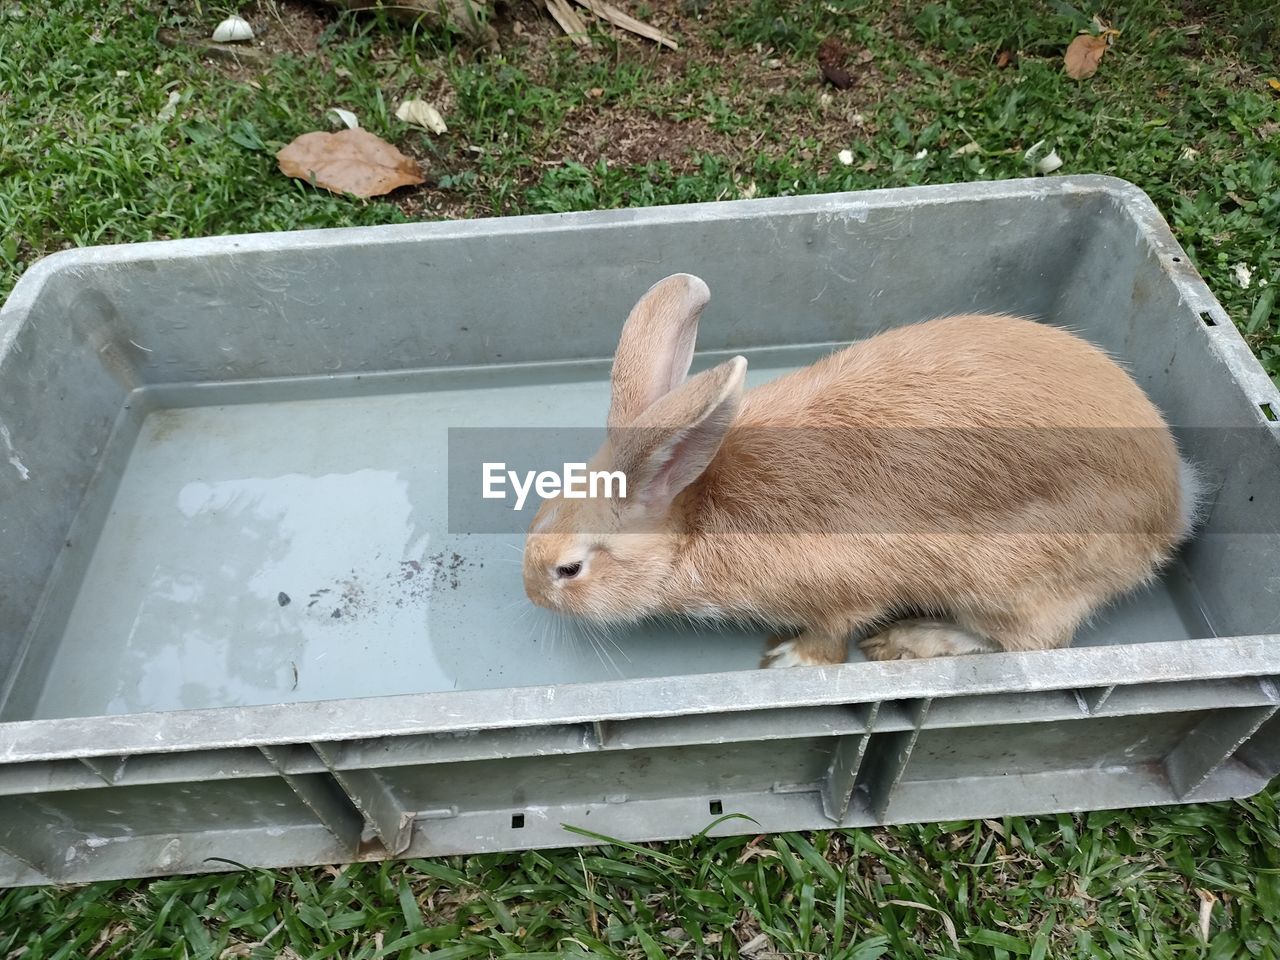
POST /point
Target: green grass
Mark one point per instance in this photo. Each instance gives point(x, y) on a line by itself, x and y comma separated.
point(1177, 108)
point(1180, 106)
point(1104, 885)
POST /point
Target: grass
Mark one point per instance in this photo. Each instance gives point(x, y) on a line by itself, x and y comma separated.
point(1105, 885)
point(1180, 106)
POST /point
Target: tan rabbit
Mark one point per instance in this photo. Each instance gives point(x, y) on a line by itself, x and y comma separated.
point(997, 476)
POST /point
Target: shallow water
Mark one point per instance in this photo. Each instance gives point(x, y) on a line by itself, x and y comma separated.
point(299, 549)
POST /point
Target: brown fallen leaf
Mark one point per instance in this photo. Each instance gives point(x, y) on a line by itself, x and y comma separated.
point(1084, 54)
point(350, 161)
point(947, 923)
point(569, 22)
point(831, 60)
point(611, 14)
point(1003, 59)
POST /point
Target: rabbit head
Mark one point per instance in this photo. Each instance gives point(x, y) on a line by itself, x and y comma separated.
point(607, 557)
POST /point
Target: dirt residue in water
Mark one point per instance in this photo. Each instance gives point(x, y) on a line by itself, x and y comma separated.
point(447, 570)
point(411, 581)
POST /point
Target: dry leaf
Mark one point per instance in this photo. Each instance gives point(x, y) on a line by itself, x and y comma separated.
point(345, 117)
point(831, 60)
point(170, 109)
point(1207, 899)
point(422, 114)
point(1003, 59)
point(1084, 55)
point(569, 22)
point(608, 12)
point(947, 923)
point(1274, 84)
point(350, 161)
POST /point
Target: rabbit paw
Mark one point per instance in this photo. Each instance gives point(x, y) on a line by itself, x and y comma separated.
point(922, 639)
point(801, 651)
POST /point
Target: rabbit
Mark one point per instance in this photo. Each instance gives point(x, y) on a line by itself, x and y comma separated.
point(993, 479)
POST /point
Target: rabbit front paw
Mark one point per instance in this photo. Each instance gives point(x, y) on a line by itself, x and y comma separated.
point(922, 639)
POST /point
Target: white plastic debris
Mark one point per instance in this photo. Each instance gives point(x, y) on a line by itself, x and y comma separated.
point(422, 114)
point(346, 116)
point(170, 108)
point(846, 157)
point(1048, 164)
point(1244, 275)
point(232, 29)
point(922, 154)
point(1044, 162)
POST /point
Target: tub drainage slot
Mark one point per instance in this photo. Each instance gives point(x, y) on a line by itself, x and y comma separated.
point(322, 796)
point(1209, 745)
point(886, 758)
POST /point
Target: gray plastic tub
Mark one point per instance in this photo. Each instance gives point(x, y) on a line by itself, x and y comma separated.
point(240, 617)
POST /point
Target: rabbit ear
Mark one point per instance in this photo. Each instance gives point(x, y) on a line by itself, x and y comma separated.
point(669, 445)
point(656, 347)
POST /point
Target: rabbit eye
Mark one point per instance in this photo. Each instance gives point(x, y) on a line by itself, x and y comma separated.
point(567, 571)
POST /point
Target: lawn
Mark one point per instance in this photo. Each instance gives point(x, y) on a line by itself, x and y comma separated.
point(93, 149)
